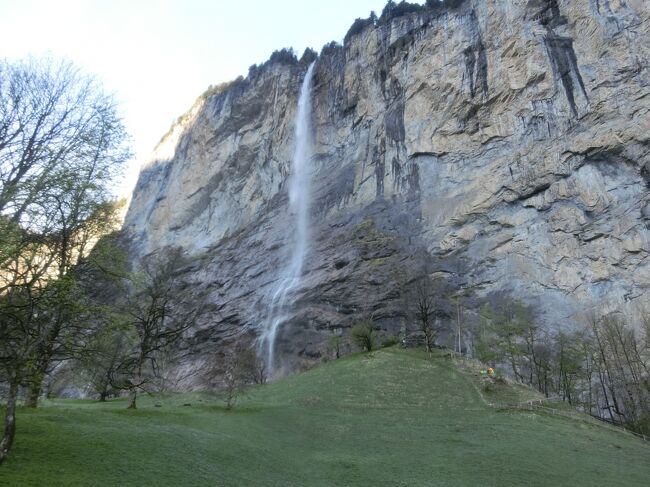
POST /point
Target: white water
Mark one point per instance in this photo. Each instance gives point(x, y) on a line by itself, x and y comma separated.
point(299, 203)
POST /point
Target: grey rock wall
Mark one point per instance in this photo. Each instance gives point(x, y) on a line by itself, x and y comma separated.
point(505, 144)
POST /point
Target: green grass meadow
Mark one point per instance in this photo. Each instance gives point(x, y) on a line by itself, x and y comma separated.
point(390, 418)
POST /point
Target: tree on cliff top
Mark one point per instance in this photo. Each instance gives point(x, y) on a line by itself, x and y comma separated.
point(394, 9)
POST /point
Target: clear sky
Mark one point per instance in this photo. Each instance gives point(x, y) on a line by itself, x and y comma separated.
point(157, 56)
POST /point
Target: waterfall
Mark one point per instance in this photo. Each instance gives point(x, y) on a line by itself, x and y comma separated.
point(299, 202)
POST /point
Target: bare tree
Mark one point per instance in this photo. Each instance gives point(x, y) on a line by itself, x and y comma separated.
point(54, 121)
point(423, 305)
point(336, 342)
point(458, 344)
point(233, 368)
point(157, 313)
point(259, 368)
point(241, 368)
point(624, 373)
point(105, 352)
point(602, 369)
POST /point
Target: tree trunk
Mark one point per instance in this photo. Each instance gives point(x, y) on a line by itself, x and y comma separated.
point(133, 395)
point(44, 356)
point(608, 406)
point(10, 422)
point(460, 348)
point(137, 382)
point(34, 392)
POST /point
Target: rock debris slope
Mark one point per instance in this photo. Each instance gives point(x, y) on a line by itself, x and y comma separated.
point(505, 144)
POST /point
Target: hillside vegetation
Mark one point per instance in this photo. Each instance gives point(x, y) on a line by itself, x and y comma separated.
point(392, 417)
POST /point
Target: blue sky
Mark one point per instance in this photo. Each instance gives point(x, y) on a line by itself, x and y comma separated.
point(157, 56)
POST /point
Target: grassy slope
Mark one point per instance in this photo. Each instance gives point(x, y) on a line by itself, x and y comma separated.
point(393, 418)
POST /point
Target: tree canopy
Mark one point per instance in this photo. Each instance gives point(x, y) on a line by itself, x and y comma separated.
point(62, 144)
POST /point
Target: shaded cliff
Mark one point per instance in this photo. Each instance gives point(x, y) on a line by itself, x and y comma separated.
point(505, 144)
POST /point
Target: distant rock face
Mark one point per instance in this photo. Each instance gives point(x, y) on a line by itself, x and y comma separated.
point(504, 143)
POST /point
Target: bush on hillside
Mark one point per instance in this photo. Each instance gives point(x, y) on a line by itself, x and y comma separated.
point(390, 341)
point(363, 335)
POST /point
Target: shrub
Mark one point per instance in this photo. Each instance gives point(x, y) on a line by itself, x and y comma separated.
point(218, 89)
point(390, 341)
point(488, 386)
point(363, 336)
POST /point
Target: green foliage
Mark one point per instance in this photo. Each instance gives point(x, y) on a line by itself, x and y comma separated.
point(484, 350)
point(104, 358)
point(107, 263)
point(10, 238)
point(363, 335)
point(602, 369)
point(358, 26)
point(284, 56)
point(390, 341)
point(393, 10)
point(158, 310)
point(62, 143)
point(504, 327)
point(62, 146)
point(336, 344)
point(331, 48)
point(443, 5)
point(213, 90)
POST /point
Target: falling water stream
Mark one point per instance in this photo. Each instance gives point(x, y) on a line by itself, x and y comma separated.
point(299, 202)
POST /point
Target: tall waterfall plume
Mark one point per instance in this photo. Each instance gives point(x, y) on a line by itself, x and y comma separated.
point(299, 206)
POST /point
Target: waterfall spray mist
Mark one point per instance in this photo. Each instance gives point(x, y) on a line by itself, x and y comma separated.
point(299, 204)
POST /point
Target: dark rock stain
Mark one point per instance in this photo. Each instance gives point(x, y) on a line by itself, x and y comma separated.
point(560, 49)
point(476, 68)
point(565, 65)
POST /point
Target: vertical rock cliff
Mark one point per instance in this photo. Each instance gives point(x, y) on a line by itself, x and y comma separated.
point(504, 144)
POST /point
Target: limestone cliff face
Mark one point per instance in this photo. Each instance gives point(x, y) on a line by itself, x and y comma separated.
point(505, 143)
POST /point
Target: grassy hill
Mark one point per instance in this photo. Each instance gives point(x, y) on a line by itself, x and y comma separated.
point(390, 418)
